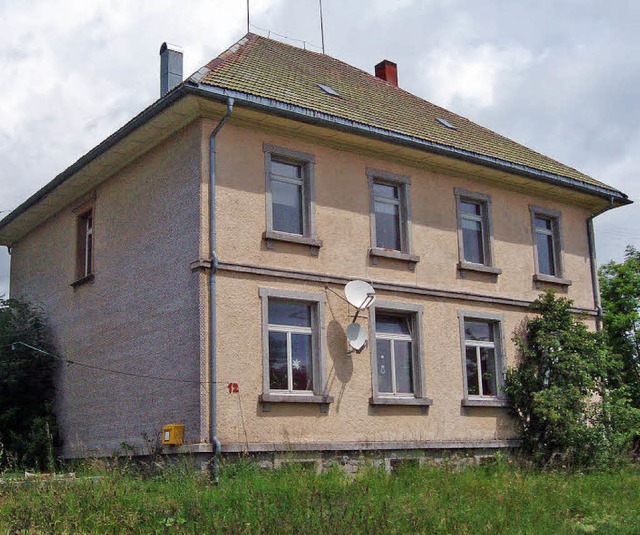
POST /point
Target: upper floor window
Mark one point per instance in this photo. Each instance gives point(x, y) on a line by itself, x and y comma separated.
point(547, 245)
point(475, 233)
point(84, 247)
point(397, 359)
point(482, 355)
point(390, 214)
point(292, 344)
point(290, 195)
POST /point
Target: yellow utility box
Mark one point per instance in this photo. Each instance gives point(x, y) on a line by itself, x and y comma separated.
point(173, 434)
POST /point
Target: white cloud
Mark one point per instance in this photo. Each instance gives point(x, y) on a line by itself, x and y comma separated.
point(471, 74)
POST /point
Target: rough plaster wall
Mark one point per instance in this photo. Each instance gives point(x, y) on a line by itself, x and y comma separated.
point(342, 216)
point(140, 312)
point(350, 417)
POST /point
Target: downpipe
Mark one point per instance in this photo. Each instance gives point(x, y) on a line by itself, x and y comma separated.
point(212, 287)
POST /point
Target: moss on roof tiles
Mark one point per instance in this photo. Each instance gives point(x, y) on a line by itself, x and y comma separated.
point(275, 70)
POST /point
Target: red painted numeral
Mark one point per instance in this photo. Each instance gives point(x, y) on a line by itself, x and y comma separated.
point(233, 388)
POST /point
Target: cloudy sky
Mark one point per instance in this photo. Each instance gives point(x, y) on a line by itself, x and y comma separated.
point(559, 76)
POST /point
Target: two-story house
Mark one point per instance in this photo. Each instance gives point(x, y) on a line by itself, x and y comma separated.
point(197, 259)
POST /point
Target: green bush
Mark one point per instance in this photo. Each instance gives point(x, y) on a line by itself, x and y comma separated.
point(571, 410)
point(27, 420)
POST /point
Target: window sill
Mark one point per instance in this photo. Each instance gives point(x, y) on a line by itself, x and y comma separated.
point(478, 268)
point(417, 402)
point(295, 398)
point(271, 236)
point(411, 259)
point(84, 280)
point(550, 279)
point(487, 402)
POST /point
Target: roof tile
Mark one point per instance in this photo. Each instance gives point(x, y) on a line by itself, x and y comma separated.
point(271, 69)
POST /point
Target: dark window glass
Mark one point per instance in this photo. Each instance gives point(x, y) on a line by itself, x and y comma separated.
point(404, 366)
point(470, 208)
point(385, 378)
point(385, 190)
point(286, 200)
point(473, 243)
point(543, 223)
point(478, 330)
point(473, 388)
point(287, 170)
point(286, 313)
point(301, 367)
point(392, 324)
point(278, 379)
point(546, 259)
point(488, 364)
point(388, 226)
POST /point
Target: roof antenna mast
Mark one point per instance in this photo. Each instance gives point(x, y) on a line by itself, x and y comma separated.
point(248, 21)
point(321, 26)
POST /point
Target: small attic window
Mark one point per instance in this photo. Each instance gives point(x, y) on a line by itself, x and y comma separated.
point(329, 90)
point(446, 123)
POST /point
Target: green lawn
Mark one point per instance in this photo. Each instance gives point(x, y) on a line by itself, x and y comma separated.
point(494, 499)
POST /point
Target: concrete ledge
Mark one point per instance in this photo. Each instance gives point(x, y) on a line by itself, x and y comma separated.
point(418, 402)
point(272, 235)
point(484, 403)
point(550, 279)
point(294, 398)
point(231, 447)
point(394, 255)
point(479, 268)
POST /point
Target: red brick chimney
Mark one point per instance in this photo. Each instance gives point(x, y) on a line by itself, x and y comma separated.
point(387, 71)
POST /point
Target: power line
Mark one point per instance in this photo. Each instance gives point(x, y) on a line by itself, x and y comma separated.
point(110, 370)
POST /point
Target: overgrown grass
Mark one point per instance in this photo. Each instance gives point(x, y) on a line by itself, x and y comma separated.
point(493, 499)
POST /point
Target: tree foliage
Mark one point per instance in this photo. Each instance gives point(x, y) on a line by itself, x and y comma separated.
point(620, 289)
point(562, 392)
point(27, 419)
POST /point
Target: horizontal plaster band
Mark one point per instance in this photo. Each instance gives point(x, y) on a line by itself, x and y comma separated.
point(380, 285)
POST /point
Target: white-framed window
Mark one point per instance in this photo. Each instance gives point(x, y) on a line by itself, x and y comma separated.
point(293, 345)
point(397, 359)
point(547, 245)
point(475, 231)
point(290, 203)
point(390, 215)
point(482, 356)
point(84, 248)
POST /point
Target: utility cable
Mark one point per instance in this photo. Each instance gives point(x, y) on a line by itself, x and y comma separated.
point(109, 370)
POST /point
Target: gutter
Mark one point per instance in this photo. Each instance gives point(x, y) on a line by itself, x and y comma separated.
point(212, 285)
point(595, 281)
point(322, 119)
point(192, 87)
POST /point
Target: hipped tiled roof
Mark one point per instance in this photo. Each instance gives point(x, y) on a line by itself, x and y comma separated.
point(288, 74)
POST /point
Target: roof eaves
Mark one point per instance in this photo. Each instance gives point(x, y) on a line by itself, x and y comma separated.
point(148, 113)
point(324, 119)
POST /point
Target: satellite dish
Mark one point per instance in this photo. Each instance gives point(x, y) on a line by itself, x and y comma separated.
point(357, 337)
point(360, 294)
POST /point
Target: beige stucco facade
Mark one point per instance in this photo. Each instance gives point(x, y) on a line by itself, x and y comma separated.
point(247, 263)
point(147, 310)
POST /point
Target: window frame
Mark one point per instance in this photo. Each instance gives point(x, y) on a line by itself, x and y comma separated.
point(497, 322)
point(403, 183)
point(484, 200)
point(318, 332)
point(415, 314)
point(555, 216)
point(84, 270)
point(306, 161)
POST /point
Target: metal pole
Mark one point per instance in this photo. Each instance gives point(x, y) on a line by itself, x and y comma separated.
point(321, 26)
point(248, 20)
